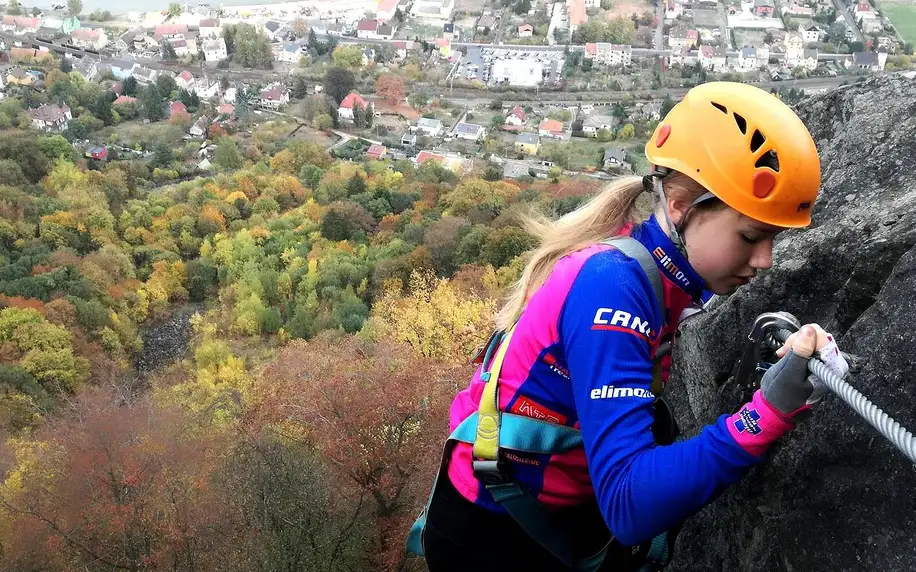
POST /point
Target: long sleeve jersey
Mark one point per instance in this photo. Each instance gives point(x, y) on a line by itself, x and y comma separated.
point(582, 356)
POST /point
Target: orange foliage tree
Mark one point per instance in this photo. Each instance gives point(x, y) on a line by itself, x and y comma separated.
point(378, 415)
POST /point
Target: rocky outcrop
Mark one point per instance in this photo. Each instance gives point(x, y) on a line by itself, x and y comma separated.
point(834, 495)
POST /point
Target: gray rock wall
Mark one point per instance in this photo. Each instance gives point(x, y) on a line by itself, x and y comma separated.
point(834, 496)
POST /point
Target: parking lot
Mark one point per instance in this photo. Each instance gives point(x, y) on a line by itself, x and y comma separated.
point(478, 62)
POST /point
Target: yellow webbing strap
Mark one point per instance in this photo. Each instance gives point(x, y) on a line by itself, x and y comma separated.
point(486, 446)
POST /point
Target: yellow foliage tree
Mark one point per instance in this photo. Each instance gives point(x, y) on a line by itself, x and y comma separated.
point(434, 318)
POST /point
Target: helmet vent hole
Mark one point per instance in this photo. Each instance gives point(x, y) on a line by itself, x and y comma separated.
point(768, 159)
point(720, 107)
point(742, 124)
point(757, 140)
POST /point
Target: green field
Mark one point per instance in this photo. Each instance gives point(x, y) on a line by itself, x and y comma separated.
point(903, 16)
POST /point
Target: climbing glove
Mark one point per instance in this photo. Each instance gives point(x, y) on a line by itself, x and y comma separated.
point(787, 385)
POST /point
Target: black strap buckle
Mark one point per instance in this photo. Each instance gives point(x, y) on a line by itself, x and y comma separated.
point(491, 472)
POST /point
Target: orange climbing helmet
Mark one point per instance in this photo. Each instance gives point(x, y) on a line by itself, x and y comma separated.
point(745, 146)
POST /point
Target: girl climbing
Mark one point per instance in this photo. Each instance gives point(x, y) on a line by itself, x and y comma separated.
point(562, 456)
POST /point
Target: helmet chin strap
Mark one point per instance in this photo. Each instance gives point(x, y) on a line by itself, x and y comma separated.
point(675, 232)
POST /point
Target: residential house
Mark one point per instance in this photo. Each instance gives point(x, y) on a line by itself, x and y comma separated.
point(487, 22)
point(575, 13)
point(763, 56)
point(52, 117)
point(386, 10)
point(809, 59)
point(683, 37)
point(184, 80)
point(764, 8)
point(18, 76)
point(811, 34)
point(225, 109)
point(376, 152)
point(215, 50)
point(436, 10)
point(272, 29)
point(384, 31)
point(368, 56)
point(288, 53)
point(210, 28)
point(97, 152)
point(29, 55)
point(525, 31)
point(609, 54)
point(89, 39)
point(229, 95)
point(516, 117)
point(650, 110)
point(592, 124)
point(402, 48)
point(178, 112)
point(747, 59)
point(794, 43)
point(469, 131)
point(167, 31)
point(704, 56)
point(719, 59)
point(88, 67)
point(528, 143)
point(871, 61)
point(19, 25)
point(616, 158)
point(673, 9)
point(409, 140)
point(796, 9)
point(862, 10)
point(345, 111)
point(145, 75)
point(677, 56)
point(199, 128)
point(366, 29)
point(124, 100)
point(429, 127)
point(142, 42)
point(179, 46)
point(551, 128)
point(444, 44)
point(868, 19)
point(206, 89)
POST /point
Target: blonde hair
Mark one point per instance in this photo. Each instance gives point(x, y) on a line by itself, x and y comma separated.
point(602, 217)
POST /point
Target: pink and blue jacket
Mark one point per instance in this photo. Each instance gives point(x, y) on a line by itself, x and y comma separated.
point(582, 356)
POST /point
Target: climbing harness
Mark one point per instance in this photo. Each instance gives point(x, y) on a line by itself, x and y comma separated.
point(771, 330)
point(492, 432)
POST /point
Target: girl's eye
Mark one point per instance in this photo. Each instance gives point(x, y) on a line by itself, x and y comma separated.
point(749, 239)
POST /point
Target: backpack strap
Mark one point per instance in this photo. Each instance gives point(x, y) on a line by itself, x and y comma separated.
point(635, 250)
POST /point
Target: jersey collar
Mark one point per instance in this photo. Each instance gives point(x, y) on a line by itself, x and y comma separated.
point(669, 260)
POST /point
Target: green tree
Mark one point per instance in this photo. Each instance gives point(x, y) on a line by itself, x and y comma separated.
point(152, 103)
point(227, 154)
point(338, 82)
point(174, 10)
point(13, 8)
point(628, 131)
point(348, 57)
point(252, 49)
point(75, 7)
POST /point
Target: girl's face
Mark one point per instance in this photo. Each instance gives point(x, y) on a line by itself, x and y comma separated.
point(727, 248)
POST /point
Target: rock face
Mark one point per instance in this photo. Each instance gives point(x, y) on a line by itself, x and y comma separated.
point(834, 495)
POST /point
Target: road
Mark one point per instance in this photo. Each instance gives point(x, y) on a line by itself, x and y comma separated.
point(844, 9)
point(660, 26)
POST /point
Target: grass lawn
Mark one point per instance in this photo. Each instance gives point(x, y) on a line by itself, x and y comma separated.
point(903, 16)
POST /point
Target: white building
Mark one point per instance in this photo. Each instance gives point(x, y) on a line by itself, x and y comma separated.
point(609, 54)
point(89, 39)
point(440, 10)
point(517, 72)
point(470, 131)
point(215, 50)
point(210, 28)
point(274, 97)
point(429, 127)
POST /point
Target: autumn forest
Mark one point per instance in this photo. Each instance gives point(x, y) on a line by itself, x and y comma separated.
point(334, 308)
